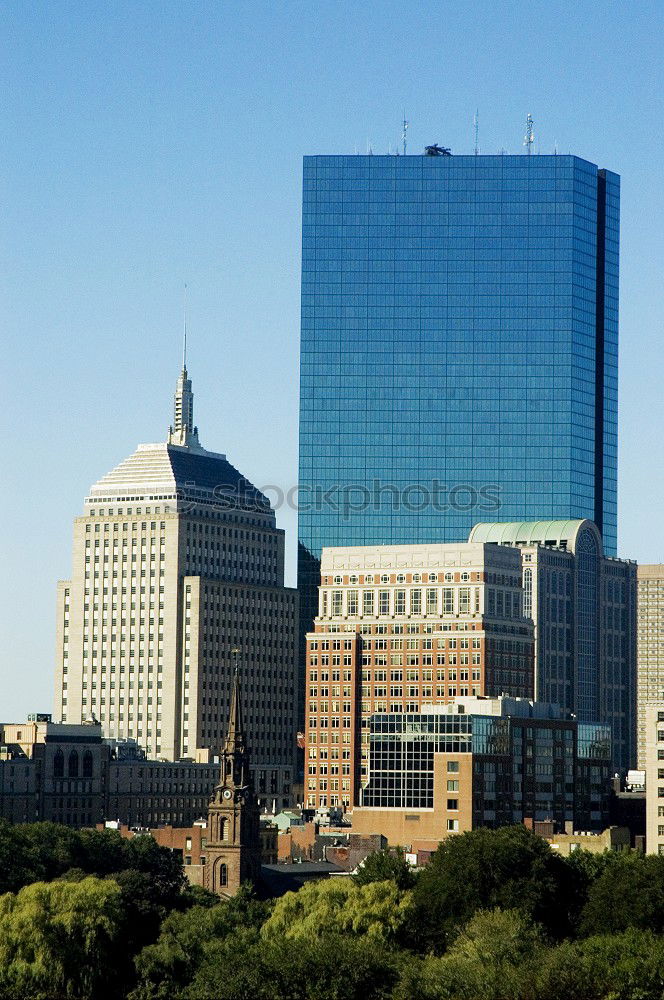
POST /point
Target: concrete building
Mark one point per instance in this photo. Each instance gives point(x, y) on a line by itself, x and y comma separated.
point(67, 773)
point(583, 605)
point(402, 626)
point(614, 838)
point(654, 768)
point(177, 564)
point(482, 762)
point(649, 648)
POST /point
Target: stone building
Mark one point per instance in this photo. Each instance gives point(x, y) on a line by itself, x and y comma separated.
point(177, 563)
point(650, 648)
point(654, 768)
point(583, 605)
point(67, 773)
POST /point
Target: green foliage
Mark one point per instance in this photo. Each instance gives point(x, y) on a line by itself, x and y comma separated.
point(628, 966)
point(41, 852)
point(167, 966)
point(509, 868)
point(493, 957)
point(628, 893)
point(485, 921)
point(382, 866)
point(334, 967)
point(339, 906)
point(59, 939)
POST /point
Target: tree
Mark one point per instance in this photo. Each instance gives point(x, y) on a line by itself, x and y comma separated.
point(629, 893)
point(382, 866)
point(40, 852)
point(629, 966)
point(330, 966)
point(509, 868)
point(493, 957)
point(338, 906)
point(59, 939)
point(167, 966)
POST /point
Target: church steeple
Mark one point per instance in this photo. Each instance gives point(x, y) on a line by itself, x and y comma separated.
point(235, 756)
point(233, 848)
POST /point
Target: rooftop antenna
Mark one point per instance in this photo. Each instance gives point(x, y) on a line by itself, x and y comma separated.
point(529, 137)
point(404, 129)
point(476, 122)
point(184, 333)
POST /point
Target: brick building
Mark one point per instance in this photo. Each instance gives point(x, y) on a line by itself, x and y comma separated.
point(399, 627)
point(483, 762)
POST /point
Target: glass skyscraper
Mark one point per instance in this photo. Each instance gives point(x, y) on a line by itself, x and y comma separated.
point(459, 347)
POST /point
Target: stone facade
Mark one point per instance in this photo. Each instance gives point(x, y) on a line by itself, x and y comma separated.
point(583, 605)
point(67, 773)
point(650, 648)
point(177, 563)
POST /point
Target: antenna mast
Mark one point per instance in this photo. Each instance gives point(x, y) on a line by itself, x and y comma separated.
point(184, 332)
point(476, 122)
point(404, 129)
point(529, 137)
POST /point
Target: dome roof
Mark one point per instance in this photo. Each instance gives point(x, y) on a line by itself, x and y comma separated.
point(562, 534)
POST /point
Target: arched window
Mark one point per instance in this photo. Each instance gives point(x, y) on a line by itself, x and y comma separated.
point(87, 764)
point(73, 765)
point(223, 829)
point(59, 765)
point(223, 875)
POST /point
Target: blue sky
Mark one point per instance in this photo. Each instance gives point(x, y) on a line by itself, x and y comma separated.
point(145, 145)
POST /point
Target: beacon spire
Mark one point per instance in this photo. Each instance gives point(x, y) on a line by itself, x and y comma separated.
point(183, 432)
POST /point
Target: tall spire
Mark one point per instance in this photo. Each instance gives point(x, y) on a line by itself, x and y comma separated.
point(234, 755)
point(184, 404)
point(183, 432)
point(235, 734)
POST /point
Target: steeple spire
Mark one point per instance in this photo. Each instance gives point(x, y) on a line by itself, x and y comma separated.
point(235, 734)
point(234, 772)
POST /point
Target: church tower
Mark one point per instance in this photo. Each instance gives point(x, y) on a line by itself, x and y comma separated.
point(233, 845)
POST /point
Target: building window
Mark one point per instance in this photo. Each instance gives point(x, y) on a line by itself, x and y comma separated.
point(59, 765)
point(453, 825)
point(72, 770)
point(87, 764)
point(528, 593)
point(223, 875)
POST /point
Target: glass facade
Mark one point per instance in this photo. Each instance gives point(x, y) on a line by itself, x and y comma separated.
point(523, 767)
point(459, 347)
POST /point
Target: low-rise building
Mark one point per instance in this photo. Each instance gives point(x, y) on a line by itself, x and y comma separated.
point(615, 838)
point(67, 773)
point(483, 762)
